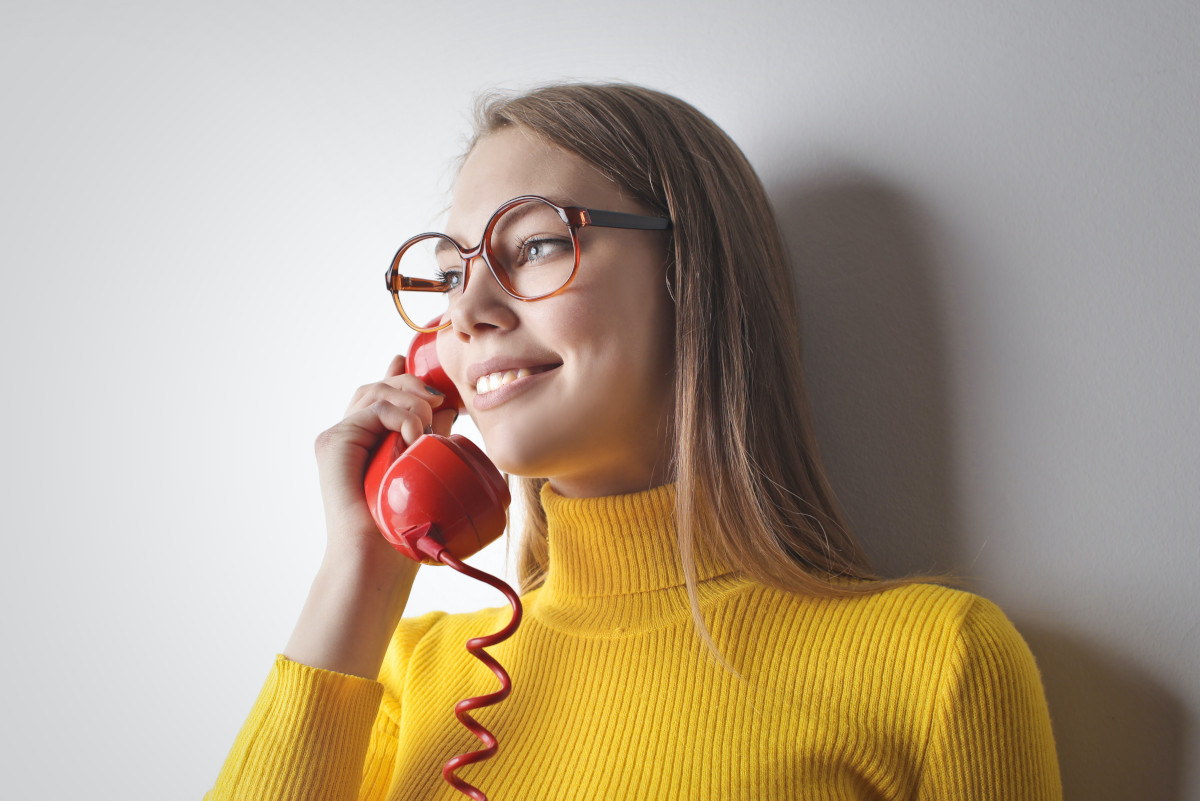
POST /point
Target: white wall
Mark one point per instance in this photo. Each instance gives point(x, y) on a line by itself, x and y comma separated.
point(994, 208)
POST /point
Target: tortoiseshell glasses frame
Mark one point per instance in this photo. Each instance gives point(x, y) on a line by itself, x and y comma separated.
point(575, 218)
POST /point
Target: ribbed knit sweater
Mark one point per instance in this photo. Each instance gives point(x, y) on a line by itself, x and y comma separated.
point(920, 692)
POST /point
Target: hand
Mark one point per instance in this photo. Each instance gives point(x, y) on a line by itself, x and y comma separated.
point(400, 403)
point(362, 586)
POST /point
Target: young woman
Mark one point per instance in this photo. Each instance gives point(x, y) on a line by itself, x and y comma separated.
point(699, 623)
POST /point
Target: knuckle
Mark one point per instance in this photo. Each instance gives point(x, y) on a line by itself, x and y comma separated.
point(326, 439)
point(365, 390)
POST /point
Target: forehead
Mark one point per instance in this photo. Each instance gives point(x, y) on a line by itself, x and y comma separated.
point(514, 162)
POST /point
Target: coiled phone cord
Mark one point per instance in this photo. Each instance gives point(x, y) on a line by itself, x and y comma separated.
point(476, 645)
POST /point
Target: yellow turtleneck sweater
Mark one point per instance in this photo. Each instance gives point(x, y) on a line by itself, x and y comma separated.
point(914, 693)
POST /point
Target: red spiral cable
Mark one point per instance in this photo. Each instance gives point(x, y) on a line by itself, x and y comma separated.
point(476, 645)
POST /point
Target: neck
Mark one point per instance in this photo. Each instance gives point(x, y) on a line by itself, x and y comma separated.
point(629, 476)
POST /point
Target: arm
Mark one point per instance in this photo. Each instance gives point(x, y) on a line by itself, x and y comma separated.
point(991, 735)
point(316, 730)
point(363, 583)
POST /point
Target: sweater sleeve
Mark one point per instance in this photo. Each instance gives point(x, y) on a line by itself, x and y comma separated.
point(991, 735)
point(318, 735)
point(306, 737)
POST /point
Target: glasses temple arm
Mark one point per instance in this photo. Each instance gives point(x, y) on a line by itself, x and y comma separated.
point(620, 219)
point(398, 283)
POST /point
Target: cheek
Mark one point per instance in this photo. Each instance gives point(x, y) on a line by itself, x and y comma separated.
point(629, 354)
point(449, 354)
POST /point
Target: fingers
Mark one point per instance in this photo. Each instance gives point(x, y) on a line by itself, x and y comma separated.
point(383, 417)
point(346, 446)
point(392, 389)
point(405, 391)
point(399, 402)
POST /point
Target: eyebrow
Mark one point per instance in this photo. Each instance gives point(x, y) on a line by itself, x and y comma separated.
point(442, 247)
point(515, 214)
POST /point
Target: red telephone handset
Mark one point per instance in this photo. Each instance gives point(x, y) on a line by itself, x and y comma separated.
point(441, 483)
point(439, 501)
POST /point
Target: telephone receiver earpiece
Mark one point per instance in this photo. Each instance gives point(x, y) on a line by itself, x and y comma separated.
point(444, 487)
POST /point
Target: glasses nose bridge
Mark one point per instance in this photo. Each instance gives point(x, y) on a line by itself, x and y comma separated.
point(480, 251)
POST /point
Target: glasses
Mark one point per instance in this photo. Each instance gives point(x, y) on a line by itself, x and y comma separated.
point(530, 245)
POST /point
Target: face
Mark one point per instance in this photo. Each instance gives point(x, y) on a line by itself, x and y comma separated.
point(593, 415)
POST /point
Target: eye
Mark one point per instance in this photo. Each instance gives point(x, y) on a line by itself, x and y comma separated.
point(451, 277)
point(542, 248)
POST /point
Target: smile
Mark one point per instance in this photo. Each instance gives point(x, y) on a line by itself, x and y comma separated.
point(494, 381)
point(495, 388)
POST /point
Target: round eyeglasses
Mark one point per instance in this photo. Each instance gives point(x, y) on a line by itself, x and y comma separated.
point(530, 245)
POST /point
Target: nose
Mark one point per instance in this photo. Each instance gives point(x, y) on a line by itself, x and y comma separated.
point(483, 305)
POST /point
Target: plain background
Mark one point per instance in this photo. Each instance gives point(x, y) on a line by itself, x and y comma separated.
point(994, 213)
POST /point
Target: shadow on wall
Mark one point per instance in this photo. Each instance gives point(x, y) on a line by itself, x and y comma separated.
point(1120, 734)
point(871, 292)
point(875, 367)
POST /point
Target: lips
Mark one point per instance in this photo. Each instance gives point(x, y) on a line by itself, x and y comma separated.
point(521, 380)
point(503, 364)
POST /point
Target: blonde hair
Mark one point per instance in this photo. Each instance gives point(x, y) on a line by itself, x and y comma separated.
point(749, 480)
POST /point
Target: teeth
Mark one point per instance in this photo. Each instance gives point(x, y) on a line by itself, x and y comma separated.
point(494, 381)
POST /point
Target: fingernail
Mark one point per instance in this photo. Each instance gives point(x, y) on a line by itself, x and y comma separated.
point(433, 391)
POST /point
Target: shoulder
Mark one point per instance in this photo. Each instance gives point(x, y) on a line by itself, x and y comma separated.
point(959, 626)
point(924, 659)
point(926, 612)
point(405, 640)
point(419, 637)
point(956, 619)
point(412, 636)
point(411, 630)
point(914, 635)
point(987, 663)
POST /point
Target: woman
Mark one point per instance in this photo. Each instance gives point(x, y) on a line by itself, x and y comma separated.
point(698, 621)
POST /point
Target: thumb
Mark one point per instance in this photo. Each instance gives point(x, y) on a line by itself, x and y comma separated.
point(443, 419)
point(396, 367)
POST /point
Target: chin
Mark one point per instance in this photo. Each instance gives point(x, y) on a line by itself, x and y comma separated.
point(517, 456)
point(542, 452)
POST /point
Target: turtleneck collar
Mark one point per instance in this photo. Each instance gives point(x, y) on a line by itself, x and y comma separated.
point(615, 562)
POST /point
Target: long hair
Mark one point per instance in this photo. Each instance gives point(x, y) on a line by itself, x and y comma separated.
point(750, 485)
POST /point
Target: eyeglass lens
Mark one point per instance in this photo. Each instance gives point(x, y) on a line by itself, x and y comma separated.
point(530, 247)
